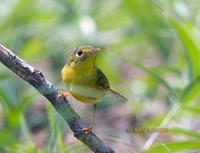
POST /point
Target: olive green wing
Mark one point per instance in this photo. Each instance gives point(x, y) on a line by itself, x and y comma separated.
point(118, 95)
point(102, 81)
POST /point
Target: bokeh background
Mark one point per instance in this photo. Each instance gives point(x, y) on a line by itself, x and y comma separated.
point(150, 54)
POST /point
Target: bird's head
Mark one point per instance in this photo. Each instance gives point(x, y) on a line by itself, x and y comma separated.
point(83, 55)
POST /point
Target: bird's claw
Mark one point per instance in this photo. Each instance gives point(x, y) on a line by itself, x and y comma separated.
point(63, 94)
point(87, 130)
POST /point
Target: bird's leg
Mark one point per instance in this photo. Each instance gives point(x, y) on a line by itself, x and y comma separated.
point(63, 94)
point(89, 129)
point(93, 116)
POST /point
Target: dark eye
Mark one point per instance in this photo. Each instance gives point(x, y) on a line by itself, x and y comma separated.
point(79, 53)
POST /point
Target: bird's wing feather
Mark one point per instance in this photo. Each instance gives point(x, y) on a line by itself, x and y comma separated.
point(117, 95)
point(102, 81)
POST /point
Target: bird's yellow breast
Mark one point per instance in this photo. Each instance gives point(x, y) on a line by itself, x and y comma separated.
point(81, 83)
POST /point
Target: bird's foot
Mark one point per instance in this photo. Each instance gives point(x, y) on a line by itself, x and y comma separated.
point(87, 130)
point(63, 94)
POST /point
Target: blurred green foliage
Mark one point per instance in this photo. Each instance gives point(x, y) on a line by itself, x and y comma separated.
point(150, 54)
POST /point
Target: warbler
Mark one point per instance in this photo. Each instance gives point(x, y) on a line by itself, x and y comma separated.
point(84, 81)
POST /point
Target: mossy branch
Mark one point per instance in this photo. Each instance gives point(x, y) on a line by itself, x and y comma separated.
point(35, 78)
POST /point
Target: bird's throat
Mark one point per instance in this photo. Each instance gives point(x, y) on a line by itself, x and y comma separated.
point(83, 66)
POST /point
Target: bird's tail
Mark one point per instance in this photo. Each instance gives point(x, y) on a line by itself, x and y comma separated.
point(118, 95)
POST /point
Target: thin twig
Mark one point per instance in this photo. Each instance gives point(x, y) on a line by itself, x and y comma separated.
point(35, 78)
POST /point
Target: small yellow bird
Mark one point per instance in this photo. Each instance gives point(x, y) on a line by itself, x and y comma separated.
point(84, 81)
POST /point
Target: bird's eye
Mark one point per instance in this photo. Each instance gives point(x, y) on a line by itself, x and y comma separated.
point(79, 53)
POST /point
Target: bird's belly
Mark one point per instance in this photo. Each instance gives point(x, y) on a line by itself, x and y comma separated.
point(82, 87)
point(86, 93)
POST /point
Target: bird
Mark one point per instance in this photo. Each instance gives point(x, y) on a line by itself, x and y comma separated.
point(84, 81)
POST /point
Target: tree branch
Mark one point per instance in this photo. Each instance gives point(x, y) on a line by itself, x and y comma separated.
point(62, 106)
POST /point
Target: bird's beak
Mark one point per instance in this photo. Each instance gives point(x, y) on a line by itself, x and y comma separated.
point(95, 50)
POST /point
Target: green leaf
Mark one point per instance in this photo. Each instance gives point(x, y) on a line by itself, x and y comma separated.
point(25, 131)
point(167, 69)
point(191, 51)
point(173, 147)
point(195, 110)
point(159, 79)
point(191, 91)
point(7, 138)
point(184, 132)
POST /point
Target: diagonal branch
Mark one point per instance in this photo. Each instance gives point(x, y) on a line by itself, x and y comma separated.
point(62, 106)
